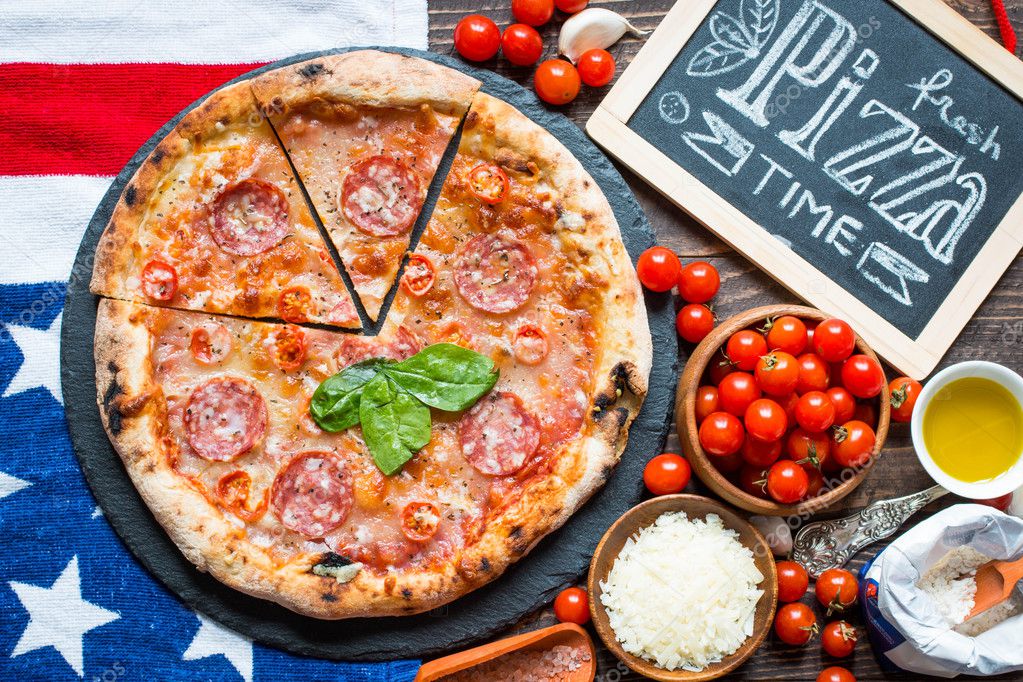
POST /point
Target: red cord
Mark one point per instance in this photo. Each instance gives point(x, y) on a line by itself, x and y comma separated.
point(1004, 25)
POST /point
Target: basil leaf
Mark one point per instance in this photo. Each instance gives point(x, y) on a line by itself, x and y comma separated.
point(335, 403)
point(394, 424)
point(445, 376)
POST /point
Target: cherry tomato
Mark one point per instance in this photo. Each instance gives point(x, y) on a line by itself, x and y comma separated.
point(658, 268)
point(838, 639)
point(777, 373)
point(721, 434)
point(533, 12)
point(489, 182)
point(289, 348)
point(419, 521)
point(530, 345)
point(233, 490)
point(863, 376)
point(210, 343)
point(834, 340)
point(814, 374)
point(836, 588)
point(477, 37)
point(853, 444)
point(787, 482)
point(814, 411)
point(728, 464)
point(835, 674)
point(596, 69)
point(706, 402)
point(744, 348)
point(816, 479)
point(521, 44)
point(792, 581)
point(557, 82)
point(759, 453)
point(666, 474)
point(294, 304)
point(736, 392)
point(765, 420)
point(753, 481)
point(694, 322)
point(786, 333)
point(844, 403)
point(159, 281)
point(795, 624)
point(419, 275)
point(719, 367)
point(1000, 503)
point(811, 448)
point(572, 606)
point(865, 412)
point(571, 6)
point(699, 282)
point(902, 394)
point(788, 403)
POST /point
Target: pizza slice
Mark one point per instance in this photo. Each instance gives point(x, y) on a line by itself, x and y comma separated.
point(366, 131)
point(214, 220)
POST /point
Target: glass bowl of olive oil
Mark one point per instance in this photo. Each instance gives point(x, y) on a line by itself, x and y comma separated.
point(968, 429)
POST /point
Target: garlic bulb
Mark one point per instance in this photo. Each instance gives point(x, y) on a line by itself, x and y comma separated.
point(776, 531)
point(594, 27)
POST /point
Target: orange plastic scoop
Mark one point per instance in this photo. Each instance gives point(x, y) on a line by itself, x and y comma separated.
point(995, 582)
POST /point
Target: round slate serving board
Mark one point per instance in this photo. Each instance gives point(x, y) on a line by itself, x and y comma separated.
point(525, 587)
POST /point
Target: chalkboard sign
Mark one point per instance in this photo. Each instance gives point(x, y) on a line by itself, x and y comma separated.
point(862, 152)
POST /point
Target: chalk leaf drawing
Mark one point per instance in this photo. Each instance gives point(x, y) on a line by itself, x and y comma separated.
point(736, 41)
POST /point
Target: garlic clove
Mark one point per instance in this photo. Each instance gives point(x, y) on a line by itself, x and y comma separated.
point(593, 28)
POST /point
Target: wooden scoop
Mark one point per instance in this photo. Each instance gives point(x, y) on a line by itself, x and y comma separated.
point(564, 633)
point(995, 582)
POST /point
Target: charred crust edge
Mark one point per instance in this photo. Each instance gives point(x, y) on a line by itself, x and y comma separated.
point(110, 396)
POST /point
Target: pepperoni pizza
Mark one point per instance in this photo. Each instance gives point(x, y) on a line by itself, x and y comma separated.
point(521, 261)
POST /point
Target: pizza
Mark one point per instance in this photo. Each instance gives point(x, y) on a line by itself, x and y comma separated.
point(346, 475)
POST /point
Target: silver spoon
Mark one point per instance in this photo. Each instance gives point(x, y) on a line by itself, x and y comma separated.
point(821, 545)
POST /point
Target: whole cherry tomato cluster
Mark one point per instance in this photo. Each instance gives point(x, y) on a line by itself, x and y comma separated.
point(785, 405)
point(796, 623)
point(557, 81)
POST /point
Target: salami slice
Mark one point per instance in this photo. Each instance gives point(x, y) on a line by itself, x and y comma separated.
point(224, 418)
point(250, 217)
point(381, 197)
point(312, 495)
point(495, 275)
point(498, 434)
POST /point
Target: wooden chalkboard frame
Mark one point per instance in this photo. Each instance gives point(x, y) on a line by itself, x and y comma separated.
point(917, 357)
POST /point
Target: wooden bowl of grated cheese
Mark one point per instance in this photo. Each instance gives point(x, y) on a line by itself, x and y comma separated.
point(670, 571)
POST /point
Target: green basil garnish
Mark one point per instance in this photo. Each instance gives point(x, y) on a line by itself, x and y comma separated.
point(392, 400)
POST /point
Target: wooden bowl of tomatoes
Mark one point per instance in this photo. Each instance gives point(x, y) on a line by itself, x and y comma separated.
point(782, 410)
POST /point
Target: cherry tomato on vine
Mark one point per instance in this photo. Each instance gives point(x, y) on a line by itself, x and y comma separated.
point(787, 482)
point(834, 340)
point(760, 453)
point(521, 44)
point(721, 434)
point(835, 673)
point(795, 624)
point(777, 373)
point(862, 376)
point(571, 6)
point(766, 420)
point(596, 69)
point(557, 82)
point(658, 267)
point(836, 589)
point(838, 639)
point(902, 394)
point(793, 581)
point(694, 322)
point(477, 37)
point(533, 12)
point(666, 474)
point(699, 282)
point(706, 402)
point(744, 348)
point(844, 402)
point(814, 411)
point(853, 444)
point(736, 392)
point(814, 373)
point(572, 605)
point(786, 333)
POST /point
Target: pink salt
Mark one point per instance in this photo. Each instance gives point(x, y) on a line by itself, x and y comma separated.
point(557, 664)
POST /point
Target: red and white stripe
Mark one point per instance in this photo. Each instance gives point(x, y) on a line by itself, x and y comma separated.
point(84, 85)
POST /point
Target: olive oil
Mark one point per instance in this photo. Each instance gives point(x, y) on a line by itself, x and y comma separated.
point(973, 429)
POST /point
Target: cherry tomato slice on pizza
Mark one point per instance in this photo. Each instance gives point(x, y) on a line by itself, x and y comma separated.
point(295, 304)
point(159, 281)
point(419, 521)
point(419, 275)
point(489, 183)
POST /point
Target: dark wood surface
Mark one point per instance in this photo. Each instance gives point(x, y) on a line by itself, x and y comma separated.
point(995, 333)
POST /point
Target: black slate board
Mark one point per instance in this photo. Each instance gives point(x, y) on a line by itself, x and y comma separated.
point(717, 112)
point(527, 585)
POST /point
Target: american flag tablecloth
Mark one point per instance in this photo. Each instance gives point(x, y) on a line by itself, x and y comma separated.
point(82, 86)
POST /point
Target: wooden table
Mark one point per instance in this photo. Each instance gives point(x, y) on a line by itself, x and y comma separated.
point(995, 333)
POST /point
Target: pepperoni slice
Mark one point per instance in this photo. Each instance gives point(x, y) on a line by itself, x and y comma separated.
point(381, 196)
point(419, 275)
point(404, 345)
point(224, 418)
point(495, 275)
point(312, 495)
point(530, 344)
point(289, 348)
point(498, 434)
point(250, 217)
point(344, 314)
point(159, 280)
point(419, 521)
point(210, 343)
point(294, 304)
